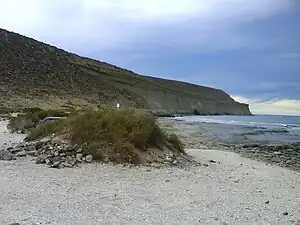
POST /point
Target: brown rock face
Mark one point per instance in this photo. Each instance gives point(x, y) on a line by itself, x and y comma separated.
point(36, 74)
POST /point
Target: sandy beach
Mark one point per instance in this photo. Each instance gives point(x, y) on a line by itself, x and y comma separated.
point(228, 190)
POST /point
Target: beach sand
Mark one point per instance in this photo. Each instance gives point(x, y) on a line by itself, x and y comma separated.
point(229, 190)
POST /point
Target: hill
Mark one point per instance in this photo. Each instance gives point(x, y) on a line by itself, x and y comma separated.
point(34, 74)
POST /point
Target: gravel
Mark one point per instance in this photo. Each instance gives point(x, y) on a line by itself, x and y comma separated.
point(232, 191)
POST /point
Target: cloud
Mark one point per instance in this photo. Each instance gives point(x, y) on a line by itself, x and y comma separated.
point(276, 107)
point(134, 24)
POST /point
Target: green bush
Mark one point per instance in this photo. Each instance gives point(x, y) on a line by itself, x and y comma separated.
point(120, 135)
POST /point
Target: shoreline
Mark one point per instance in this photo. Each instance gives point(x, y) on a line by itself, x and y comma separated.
point(193, 136)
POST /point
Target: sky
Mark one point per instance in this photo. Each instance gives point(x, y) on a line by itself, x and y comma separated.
point(248, 48)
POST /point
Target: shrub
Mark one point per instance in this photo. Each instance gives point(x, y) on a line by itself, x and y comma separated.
point(46, 129)
point(119, 135)
point(176, 143)
point(30, 117)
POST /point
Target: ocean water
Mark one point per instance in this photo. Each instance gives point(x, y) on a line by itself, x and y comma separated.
point(246, 129)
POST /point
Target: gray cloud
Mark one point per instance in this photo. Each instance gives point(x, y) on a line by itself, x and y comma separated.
point(108, 25)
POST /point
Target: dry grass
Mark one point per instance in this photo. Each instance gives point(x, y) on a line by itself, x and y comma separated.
point(115, 135)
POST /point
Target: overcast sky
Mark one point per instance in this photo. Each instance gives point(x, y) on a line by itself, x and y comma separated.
point(249, 48)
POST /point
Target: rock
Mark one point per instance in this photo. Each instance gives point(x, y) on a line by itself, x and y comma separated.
point(79, 156)
point(14, 224)
point(62, 154)
point(285, 213)
point(31, 153)
point(175, 162)
point(212, 161)
point(71, 161)
point(83, 159)
point(89, 158)
point(22, 153)
point(60, 166)
point(251, 146)
point(79, 150)
point(156, 165)
point(56, 153)
point(66, 165)
point(41, 159)
point(168, 181)
point(106, 160)
point(160, 160)
point(15, 150)
point(7, 156)
point(48, 161)
point(168, 158)
point(277, 153)
point(55, 165)
point(267, 202)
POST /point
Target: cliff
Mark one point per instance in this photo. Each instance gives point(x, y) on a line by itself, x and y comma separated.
point(36, 74)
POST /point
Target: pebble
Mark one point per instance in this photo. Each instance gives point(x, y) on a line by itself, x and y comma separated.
point(285, 213)
point(267, 202)
point(5, 155)
point(55, 165)
point(79, 150)
point(67, 165)
point(79, 156)
point(212, 161)
point(22, 153)
point(89, 158)
point(41, 159)
point(31, 153)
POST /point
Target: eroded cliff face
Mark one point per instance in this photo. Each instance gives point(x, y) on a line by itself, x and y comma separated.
point(36, 74)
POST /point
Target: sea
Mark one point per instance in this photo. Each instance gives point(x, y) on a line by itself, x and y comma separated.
point(264, 129)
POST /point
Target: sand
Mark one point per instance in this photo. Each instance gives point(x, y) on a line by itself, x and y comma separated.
point(233, 190)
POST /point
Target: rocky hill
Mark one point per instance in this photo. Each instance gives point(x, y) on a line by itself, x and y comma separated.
point(36, 74)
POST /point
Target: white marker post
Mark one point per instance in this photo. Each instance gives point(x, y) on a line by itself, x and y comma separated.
point(118, 105)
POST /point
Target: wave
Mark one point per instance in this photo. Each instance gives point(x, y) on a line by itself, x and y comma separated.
point(249, 124)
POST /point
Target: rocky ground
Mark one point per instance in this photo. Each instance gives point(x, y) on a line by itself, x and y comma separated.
point(284, 155)
point(58, 154)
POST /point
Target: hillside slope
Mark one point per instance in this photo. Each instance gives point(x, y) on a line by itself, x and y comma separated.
point(36, 74)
